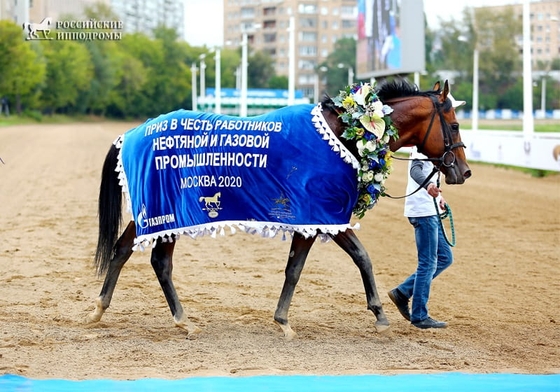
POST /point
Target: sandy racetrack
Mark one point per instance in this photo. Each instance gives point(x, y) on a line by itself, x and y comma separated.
point(500, 297)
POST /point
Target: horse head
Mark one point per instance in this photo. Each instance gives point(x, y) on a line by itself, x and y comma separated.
point(428, 120)
point(453, 162)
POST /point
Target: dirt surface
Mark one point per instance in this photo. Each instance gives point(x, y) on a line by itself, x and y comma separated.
point(500, 296)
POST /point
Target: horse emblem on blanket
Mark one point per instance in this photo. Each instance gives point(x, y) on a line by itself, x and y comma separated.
point(211, 204)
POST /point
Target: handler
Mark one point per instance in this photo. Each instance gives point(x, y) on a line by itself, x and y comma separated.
point(434, 253)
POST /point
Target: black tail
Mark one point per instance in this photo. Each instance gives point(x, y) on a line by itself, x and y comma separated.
point(109, 211)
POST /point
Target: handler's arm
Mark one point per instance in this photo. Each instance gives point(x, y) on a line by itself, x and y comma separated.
point(418, 175)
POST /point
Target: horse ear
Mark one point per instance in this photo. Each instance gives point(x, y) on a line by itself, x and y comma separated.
point(445, 90)
point(437, 86)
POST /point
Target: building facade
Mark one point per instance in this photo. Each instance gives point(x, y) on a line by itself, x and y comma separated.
point(545, 28)
point(318, 25)
point(137, 15)
point(143, 16)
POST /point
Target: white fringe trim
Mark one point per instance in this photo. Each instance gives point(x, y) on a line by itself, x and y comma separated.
point(323, 128)
point(265, 229)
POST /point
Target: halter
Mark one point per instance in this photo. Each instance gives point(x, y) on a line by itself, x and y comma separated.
point(448, 158)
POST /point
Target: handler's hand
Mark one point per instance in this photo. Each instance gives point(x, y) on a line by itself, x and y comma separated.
point(442, 203)
point(433, 190)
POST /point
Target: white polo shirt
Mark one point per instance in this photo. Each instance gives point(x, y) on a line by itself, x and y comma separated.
point(420, 203)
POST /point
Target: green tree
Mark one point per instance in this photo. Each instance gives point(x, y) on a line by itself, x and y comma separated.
point(279, 82)
point(259, 70)
point(132, 76)
point(493, 35)
point(105, 57)
point(69, 74)
point(338, 62)
point(150, 54)
point(22, 70)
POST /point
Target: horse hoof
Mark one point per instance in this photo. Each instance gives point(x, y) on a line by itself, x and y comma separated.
point(193, 334)
point(382, 326)
point(289, 333)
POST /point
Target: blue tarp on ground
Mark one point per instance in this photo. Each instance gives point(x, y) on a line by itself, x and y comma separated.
point(444, 382)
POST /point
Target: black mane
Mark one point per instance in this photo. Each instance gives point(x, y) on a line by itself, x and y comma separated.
point(399, 88)
point(391, 89)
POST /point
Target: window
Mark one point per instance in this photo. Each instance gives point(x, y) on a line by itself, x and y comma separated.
point(307, 50)
point(269, 24)
point(306, 64)
point(247, 12)
point(269, 11)
point(348, 10)
point(308, 22)
point(268, 38)
point(308, 36)
point(307, 9)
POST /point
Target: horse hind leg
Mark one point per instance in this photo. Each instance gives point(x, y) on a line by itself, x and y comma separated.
point(162, 263)
point(348, 241)
point(298, 254)
point(123, 251)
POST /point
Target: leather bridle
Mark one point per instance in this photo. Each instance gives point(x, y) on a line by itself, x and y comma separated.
point(448, 158)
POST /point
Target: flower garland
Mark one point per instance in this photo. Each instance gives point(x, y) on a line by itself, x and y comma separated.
point(371, 127)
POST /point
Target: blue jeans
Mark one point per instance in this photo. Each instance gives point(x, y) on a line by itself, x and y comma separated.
point(434, 255)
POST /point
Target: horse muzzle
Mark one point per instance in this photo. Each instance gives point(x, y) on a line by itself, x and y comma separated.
point(456, 174)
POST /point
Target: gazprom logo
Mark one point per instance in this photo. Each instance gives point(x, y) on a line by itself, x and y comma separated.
point(143, 221)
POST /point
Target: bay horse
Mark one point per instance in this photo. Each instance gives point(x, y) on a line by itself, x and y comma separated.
point(425, 119)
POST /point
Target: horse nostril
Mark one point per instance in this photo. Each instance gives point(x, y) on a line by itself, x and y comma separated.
point(467, 174)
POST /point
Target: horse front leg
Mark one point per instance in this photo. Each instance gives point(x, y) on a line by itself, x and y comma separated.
point(123, 251)
point(348, 241)
point(162, 263)
point(296, 260)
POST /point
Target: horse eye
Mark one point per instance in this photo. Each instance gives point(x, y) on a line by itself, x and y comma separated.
point(455, 127)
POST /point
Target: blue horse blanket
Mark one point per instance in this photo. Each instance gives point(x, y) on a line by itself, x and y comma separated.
point(195, 173)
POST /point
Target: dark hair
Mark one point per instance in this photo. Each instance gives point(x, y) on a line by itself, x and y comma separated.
point(398, 88)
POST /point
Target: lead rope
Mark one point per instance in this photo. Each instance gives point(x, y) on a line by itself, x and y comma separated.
point(446, 214)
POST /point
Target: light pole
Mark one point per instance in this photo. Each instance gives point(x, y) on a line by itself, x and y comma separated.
point(291, 62)
point(193, 85)
point(218, 78)
point(202, 77)
point(543, 96)
point(474, 114)
point(244, 76)
point(545, 74)
point(350, 73)
point(474, 118)
point(317, 86)
point(528, 120)
point(243, 95)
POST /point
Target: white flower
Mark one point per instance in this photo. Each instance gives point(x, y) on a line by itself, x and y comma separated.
point(374, 124)
point(361, 94)
point(387, 110)
point(377, 107)
point(369, 146)
point(385, 139)
point(379, 177)
point(368, 176)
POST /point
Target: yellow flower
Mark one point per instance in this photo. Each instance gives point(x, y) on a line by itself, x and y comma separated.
point(348, 103)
